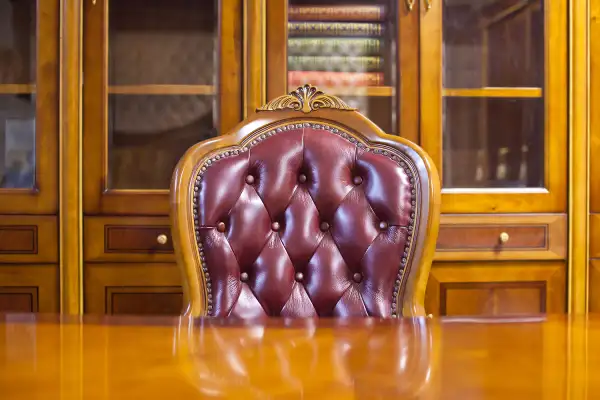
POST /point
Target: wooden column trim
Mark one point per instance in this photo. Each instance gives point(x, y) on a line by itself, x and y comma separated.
point(276, 47)
point(70, 138)
point(579, 167)
point(254, 55)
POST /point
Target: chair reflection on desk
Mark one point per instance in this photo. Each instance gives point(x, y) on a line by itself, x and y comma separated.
point(355, 358)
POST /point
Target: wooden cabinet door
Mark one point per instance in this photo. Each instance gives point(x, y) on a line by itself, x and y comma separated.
point(133, 289)
point(29, 32)
point(494, 103)
point(496, 288)
point(364, 52)
point(159, 76)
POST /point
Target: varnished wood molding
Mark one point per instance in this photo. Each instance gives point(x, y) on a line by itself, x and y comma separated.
point(578, 150)
point(71, 259)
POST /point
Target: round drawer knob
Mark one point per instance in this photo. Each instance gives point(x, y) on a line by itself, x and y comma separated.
point(162, 239)
point(504, 237)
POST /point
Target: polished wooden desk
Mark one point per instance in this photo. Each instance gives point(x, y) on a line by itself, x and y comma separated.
point(163, 358)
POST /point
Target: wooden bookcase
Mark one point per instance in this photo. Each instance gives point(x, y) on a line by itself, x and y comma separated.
point(482, 87)
point(490, 88)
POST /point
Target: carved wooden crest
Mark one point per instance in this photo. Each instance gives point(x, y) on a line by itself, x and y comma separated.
point(306, 98)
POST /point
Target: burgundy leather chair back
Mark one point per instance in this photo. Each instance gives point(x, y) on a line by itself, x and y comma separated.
point(305, 209)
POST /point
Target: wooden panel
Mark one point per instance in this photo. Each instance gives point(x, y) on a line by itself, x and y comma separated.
point(132, 289)
point(144, 300)
point(18, 300)
point(30, 288)
point(477, 237)
point(127, 239)
point(594, 286)
point(28, 239)
point(496, 288)
point(595, 236)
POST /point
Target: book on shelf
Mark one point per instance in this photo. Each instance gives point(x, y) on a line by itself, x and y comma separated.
point(335, 79)
point(334, 63)
point(335, 46)
point(336, 13)
point(334, 29)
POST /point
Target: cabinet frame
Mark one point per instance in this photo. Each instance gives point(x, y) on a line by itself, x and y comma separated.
point(43, 197)
point(97, 197)
point(552, 197)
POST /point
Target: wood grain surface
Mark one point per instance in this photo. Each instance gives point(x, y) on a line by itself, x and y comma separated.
point(427, 358)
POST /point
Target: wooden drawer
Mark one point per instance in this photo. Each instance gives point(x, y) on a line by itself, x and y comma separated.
point(479, 237)
point(28, 239)
point(133, 289)
point(129, 239)
point(496, 288)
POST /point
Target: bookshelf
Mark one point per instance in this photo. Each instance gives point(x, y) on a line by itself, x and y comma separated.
point(345, 49)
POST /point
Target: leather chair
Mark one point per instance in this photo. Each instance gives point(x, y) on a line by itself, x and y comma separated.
point(305, 209)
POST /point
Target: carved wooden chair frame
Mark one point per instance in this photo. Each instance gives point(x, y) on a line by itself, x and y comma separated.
point(308, 105)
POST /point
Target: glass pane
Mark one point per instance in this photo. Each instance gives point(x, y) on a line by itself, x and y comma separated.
point(149, 134)
point(346, 48)
point(493, 143)
point(17, 42)
point(493, 43)
point(162, 42)
point(17, 99)
point(161, 86)
point(493, 74)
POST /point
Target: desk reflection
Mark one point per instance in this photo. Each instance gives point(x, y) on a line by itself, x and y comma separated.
point(362, 359)
point(66, 358)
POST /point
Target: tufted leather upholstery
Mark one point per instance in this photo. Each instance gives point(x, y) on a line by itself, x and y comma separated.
point(303, 217)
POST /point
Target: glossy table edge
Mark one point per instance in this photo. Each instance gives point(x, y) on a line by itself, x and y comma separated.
point(133, 320)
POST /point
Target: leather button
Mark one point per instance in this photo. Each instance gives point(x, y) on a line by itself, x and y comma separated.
point(275, 226)
point(302, 178)
point(250, 179)
point(221, 226)
point(383, 225)
point(357, 277)
point(299, 276)
point(324, 226)
point(244, 276)
point(357, 180)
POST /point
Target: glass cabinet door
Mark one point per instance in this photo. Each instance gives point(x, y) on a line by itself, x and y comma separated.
point(493, 104)
point(28, 106)
point(349, 48)
point(169, 77)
